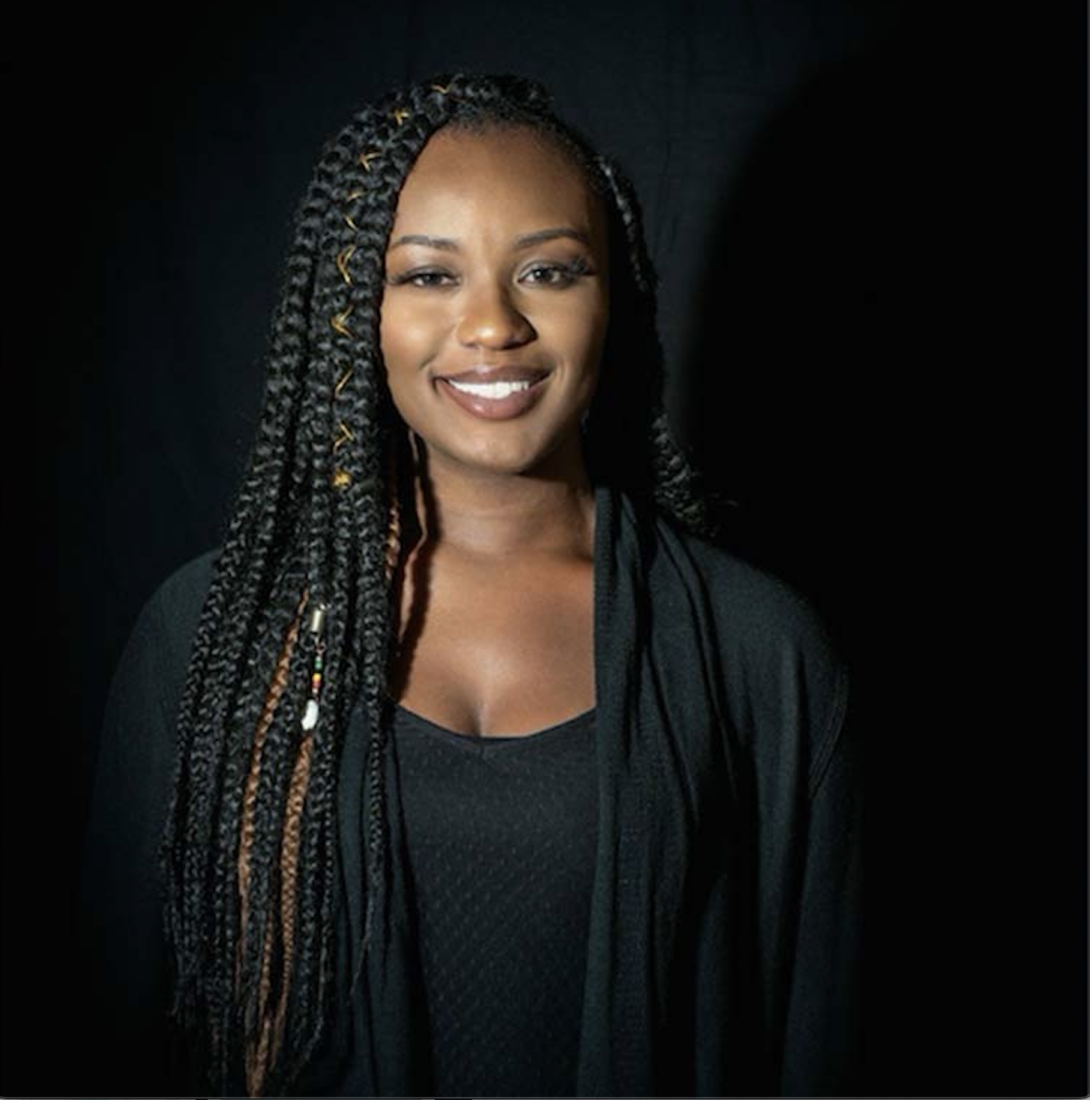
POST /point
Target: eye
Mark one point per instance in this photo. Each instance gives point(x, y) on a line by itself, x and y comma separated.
point(425, 279)
point(555, 275)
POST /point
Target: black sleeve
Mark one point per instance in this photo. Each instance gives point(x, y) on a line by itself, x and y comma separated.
point(122, 944)
point(822, 1051)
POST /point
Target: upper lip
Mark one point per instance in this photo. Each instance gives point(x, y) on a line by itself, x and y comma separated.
point(512, 373)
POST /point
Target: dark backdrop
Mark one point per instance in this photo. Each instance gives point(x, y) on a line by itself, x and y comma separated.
point(871, 244)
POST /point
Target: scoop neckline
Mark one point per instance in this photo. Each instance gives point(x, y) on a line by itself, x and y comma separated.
point(495, 739)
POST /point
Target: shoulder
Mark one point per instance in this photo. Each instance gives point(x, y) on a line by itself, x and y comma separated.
point(754, 607)
point(187, 586)
point(773, 652)
point(156, 653)
point(136, 748)
point(180, 596)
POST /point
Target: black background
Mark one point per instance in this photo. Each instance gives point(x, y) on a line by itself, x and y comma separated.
point(869, 223)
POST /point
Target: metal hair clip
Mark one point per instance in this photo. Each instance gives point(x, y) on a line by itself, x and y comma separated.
point(317, 623)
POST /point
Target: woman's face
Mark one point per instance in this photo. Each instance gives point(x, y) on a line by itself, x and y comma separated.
point(496, 303)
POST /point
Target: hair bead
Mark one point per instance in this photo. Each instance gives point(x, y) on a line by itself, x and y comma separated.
point(317, 623)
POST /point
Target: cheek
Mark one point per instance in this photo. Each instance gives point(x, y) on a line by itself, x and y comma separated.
point(409, 335)
point(574, 326)
point(584, 333)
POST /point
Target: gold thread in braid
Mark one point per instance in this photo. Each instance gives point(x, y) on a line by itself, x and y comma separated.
point(351, 198)
point(341, 478)
point(344, 380)
point(440, 89)
point(344, 437)
point(338, 321)
point(342, 262)
point(366, 158)
point(400, 114)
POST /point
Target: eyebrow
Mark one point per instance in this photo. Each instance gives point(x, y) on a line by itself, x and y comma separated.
point(527, 240)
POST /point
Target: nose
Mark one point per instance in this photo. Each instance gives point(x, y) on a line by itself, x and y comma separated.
point(492, 320)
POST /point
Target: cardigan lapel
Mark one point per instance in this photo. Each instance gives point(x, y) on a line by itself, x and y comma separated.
point(643, 836)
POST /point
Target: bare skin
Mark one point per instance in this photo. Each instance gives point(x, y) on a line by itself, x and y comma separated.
point(497, 598)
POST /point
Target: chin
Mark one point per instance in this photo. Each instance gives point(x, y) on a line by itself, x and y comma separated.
point(513, 459)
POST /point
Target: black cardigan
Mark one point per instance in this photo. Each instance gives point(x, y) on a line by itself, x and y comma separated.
point(723, 955)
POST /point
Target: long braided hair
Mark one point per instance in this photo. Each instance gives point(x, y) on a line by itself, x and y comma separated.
point(300, 618)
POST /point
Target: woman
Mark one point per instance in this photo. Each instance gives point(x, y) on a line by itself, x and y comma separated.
point(492, 774)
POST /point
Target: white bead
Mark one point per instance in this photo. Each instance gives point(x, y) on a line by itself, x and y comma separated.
point(310, 715)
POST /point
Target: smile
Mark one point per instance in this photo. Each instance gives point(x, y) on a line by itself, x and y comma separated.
point(494, 391)
point(500, 400)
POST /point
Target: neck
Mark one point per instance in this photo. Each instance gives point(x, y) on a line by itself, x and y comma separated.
point(490, 515)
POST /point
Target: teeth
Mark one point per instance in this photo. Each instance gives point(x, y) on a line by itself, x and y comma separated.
point(492, 391)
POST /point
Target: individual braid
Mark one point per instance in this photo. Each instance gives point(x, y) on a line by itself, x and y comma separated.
point(677, 488)
point(324, 518)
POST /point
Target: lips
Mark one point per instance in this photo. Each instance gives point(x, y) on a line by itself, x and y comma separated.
point(498, 393)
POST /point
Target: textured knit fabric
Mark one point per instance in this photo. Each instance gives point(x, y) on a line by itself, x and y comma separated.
point(500, 833)
point(722, 948)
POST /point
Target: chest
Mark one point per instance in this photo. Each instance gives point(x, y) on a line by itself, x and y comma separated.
point(496, 651)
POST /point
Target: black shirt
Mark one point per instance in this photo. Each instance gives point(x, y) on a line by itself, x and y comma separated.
point(723, 943)
point(500, 833)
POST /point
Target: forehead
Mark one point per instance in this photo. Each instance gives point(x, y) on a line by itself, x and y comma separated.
point(466, 179)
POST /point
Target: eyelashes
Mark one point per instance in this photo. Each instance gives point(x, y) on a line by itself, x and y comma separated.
point(550, 275)
point(558, 274)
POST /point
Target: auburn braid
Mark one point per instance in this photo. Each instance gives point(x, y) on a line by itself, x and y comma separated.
point(324, 516)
